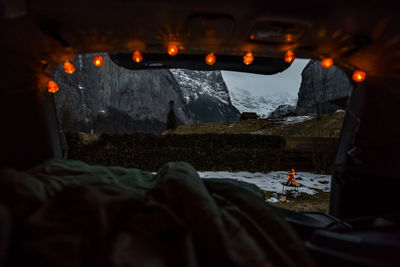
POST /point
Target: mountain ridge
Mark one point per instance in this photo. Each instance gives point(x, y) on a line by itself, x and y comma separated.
point(113, 99)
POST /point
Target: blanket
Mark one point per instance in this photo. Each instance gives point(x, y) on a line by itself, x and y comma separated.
point(68, 213)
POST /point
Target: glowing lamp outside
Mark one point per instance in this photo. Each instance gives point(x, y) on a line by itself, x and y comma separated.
point(359, 76)
point(248, 58)
point(52, 87)
point(137, 56)
point(69, 67)
point(327, 63)
point(172, 50)
point(98, 61)
point(290, 56)
point(211, 59)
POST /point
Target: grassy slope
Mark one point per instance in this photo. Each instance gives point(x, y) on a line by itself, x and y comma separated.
point(329, 125)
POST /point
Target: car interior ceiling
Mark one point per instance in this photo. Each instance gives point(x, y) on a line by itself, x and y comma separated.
point(36, 36)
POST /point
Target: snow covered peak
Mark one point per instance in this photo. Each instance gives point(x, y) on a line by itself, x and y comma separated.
point(206, 94)
point(263, 105)
point(196, 83)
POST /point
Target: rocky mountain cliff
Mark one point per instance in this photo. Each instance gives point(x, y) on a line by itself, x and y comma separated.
point(283, 110)
point(318, 86)
point(115, 100)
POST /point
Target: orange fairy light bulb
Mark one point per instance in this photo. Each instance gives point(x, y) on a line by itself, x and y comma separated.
point(359, 76)
point(98, 61)
point(137, 56)
point(69, 67)
point(288, 37)
point(248, 58)
point(172, 50)
point(52, 87)
point(290, 56)
point(327, 62)
point(211, 59)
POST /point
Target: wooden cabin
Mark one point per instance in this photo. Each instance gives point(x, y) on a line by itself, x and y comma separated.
point(248, 116)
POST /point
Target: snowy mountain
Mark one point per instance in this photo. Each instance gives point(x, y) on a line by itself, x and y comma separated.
point(263, 105)
point(206, 95)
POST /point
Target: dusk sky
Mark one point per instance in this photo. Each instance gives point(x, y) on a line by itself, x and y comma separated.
point(287, 81)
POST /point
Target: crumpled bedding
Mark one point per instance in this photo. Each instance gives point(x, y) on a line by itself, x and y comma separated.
point(68, 213)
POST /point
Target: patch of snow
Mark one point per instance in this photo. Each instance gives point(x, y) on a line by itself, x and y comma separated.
point(258, 132)
point(296, 119)
point(80, 62)
point(272, 200)
point(272, 181)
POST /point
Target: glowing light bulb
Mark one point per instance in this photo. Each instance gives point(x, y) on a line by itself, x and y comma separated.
point(137, 56)
point(211, 59)
point(290, 56)
point(248, 58)
point(327, 62)
point(288, 37)
point(172, 50)
point(98, 61)
point(359, 76)
point(52, 87)
point(69, 67)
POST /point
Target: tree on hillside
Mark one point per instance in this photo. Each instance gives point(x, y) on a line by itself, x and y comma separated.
point(171, 118)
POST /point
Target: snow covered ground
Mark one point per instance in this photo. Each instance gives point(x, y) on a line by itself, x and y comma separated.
point(272, 181)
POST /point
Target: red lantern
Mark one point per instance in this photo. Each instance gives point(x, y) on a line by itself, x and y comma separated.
point(98, 61)
point(327, 62)
point(52, 87)
point(211, 59)
point(290, 56)
point(172, 50)
point(248, 58)
point(137, 56)
point(359, 76)
point(69, 67)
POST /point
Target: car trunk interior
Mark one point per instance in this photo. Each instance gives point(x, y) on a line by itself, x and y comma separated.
point(37, 36)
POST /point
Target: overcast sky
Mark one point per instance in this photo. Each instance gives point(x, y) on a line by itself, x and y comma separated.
point(287, 81)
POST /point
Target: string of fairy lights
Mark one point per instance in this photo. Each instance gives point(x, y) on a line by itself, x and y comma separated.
point(210, 59)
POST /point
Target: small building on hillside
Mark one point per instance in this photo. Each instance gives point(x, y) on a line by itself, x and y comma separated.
point(248, 116)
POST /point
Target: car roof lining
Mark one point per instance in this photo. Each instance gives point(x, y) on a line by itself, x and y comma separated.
point(196, 62)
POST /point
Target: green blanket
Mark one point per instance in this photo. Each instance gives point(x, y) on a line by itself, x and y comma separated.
point(68, 213)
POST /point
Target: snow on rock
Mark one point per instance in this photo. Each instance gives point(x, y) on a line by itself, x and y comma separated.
point(296, 119)
point(272, 200)
point(206, 95)
point(272, 181)
point(196, 83)
point(283, 110)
